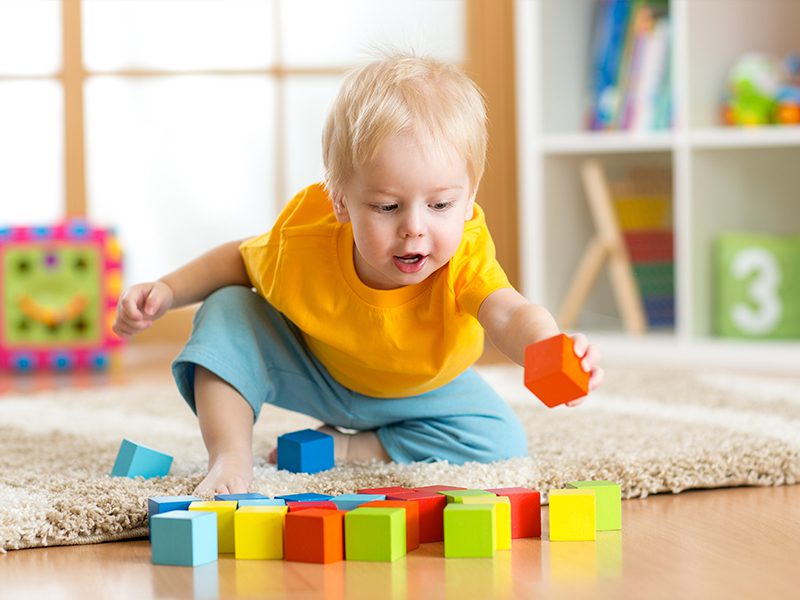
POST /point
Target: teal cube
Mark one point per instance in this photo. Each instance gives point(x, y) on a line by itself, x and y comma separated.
point(353, 501)
point(162, 504)
point(608, 502)
point(470, 530)
point(375, 534)
point(135, 460)
point(183, 538)
point(261, 502)
point(757, 292)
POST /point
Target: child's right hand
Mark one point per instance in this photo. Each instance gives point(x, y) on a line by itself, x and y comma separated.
point(140, 305)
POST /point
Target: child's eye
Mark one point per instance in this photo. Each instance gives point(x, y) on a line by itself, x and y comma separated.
point(441, 205)
point(384, 208)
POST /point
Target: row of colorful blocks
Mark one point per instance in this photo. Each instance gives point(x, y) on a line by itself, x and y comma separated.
point(377, 524)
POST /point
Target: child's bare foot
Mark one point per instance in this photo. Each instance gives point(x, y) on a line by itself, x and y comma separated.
point(227, 474)
point(364, 445)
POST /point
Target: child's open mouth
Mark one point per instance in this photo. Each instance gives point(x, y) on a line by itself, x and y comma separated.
point(410, 263)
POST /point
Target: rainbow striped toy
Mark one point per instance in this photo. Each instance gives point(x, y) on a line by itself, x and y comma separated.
point(59, 290)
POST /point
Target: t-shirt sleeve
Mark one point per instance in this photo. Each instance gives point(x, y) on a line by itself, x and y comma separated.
point(476, 272)
point(259, 255)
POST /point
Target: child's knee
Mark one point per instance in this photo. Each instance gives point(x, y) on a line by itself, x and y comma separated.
point(504, 439)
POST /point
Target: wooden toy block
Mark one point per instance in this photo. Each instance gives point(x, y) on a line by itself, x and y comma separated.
point(553, 372)
point(411, 510)
point(427, 489)
point(322, 504)
point(259, 532)
point(572, 515)
point(305, 451)
point(238, 497)
point(59, 286)
point(502, 516)
point(262, 502)
point(351, 501)
point(526, 511)
point(470, 530)
point(135, 460)
point(305, 497)
point(385, 490)
point(459, 495)
point(183, 538)
point(431, 507)
point(163, 504)
point(375, 534)
point(315, 536)
point(225, 511)
point(609, 502)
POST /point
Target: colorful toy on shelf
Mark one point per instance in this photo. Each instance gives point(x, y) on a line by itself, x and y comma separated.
point(763, 90)
point(60, 285)
point(553, 372)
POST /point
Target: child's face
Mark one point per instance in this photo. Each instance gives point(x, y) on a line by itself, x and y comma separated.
point(408, 210)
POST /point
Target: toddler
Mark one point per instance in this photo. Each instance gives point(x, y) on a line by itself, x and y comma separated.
point(365, 304)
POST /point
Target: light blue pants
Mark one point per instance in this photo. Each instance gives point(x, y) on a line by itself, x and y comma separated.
point(241, 338)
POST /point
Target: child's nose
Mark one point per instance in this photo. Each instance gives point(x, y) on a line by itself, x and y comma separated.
point(412, 225)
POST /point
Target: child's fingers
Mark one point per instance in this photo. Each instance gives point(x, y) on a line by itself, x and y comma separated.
point(154, 302)
point(576, 402)
point(580, 344)
point(590, 358)
point(596, 378)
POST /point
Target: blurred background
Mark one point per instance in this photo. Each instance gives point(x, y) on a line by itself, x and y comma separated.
point(642, 179)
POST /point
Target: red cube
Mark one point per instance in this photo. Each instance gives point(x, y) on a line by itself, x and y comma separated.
point(526, 511)
point(314, 535)
point(553, 372)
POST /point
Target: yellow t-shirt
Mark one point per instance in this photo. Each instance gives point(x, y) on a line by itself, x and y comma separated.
point(382, 343)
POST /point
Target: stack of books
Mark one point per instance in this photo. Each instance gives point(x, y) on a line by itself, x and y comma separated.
point(630, 79)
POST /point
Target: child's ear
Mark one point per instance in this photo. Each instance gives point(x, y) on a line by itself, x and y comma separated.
point(340, 208)
point(470, 210)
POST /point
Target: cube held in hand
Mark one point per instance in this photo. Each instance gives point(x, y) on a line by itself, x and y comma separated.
point(553, 372)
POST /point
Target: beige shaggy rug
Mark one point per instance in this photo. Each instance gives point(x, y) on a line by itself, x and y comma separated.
point(652, 431)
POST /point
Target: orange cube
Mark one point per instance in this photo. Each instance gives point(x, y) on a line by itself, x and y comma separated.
point(412, 518)
point(315, 535)
point(553, 372)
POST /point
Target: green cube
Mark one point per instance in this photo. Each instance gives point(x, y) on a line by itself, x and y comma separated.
point(608, 500)
point(457, 495)
point(470, 530)
point(757, 291)
point(375, 534)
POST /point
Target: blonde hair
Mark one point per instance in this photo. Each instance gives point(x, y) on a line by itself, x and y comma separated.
point(400, 93)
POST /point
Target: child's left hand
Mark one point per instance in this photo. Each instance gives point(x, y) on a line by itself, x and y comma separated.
point(590, 356)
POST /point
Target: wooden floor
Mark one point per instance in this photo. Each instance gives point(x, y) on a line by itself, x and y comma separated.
point(733, 543)
point(730, 543)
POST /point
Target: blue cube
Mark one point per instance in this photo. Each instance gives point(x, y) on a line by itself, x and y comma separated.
point(239, 497)
point(134, 460)
point(184, 538)
point(351, 501)
point(307, 497)
point(305, 451)
point(262, 502)
point(162, 504)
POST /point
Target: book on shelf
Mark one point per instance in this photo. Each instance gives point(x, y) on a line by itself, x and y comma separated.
point(630, 78)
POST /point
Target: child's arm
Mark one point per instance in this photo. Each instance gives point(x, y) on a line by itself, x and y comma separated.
point(512, 323)
point(141, 304)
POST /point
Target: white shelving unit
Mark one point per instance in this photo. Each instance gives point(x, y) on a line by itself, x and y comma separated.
point(724, 179)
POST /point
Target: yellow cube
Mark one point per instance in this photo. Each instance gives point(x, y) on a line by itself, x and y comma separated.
point(259, 532)
point(502, 517)
point(225, 510)
point(572, 515)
